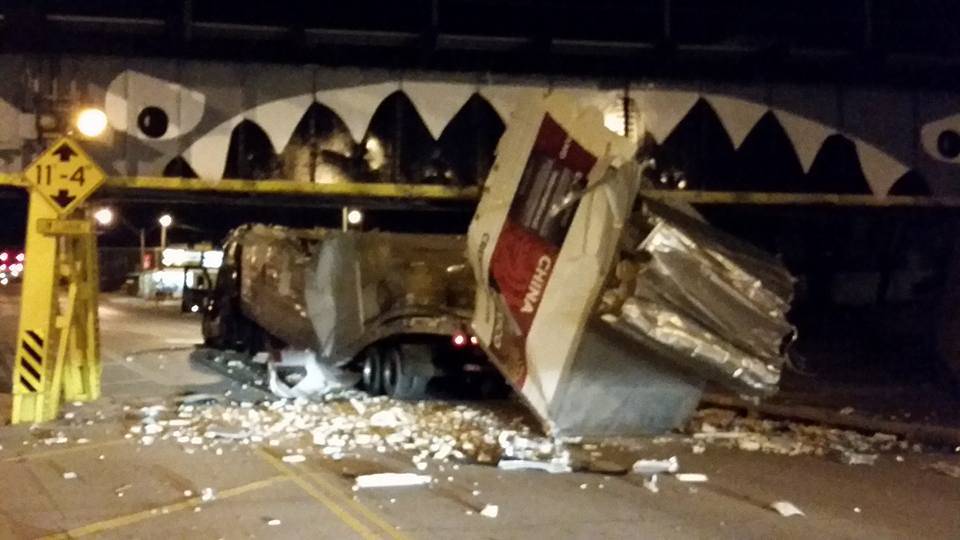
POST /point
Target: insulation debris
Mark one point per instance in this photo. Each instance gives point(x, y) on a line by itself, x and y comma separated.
point(424, 430)
point(490, 511)
point(655, 466)
point(531, 465)
point(786, 509)
point(725, 428)
point(943, 467)
point(384, 480)
point(693, 478)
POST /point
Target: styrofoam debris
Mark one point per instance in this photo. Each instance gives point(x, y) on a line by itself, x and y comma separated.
point(382, 480)
point(294, 458)
point(651, 484)
point(856, 458)
point(273, 522)
point(207, 494)
point(69, 475)
point(526, 464)
point(786, 508)
point(943, 467)
point(490, 511)
point(691, 477)
point(656, 466)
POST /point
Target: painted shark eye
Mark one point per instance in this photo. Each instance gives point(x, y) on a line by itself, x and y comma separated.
point(151, 108)
point(941, 139)
point(153, 122)
point(948, 144)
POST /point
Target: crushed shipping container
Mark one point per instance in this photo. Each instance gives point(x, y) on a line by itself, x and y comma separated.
point(554, 229)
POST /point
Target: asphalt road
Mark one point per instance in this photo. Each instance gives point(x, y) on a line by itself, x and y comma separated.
point(125, 490)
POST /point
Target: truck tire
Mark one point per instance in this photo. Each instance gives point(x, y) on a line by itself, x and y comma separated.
point(372, 371)
point(407, 369)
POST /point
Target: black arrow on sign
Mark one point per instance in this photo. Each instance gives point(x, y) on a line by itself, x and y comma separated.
point(64, 152)
point(63, 198)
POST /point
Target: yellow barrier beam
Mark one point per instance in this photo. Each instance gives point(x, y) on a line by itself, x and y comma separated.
point(287, 187)
point(440, 192)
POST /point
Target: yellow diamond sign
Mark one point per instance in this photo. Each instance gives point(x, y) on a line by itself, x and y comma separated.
point(65, 175)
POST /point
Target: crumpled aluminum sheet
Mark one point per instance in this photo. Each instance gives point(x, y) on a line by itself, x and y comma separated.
point(716, 304)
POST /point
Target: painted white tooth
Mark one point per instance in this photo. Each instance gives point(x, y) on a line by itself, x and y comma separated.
point(738, 116)
point(504, 98)
point(280, 117)
point(879, 168)
point(437, 103)
point(208, 154)
point(662, 110)
point(356, 105)
point(806, 135)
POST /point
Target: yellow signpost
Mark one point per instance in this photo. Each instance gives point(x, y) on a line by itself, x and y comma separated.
point(58, 346)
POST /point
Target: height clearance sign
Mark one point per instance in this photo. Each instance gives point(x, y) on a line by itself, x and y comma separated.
point(65, 175)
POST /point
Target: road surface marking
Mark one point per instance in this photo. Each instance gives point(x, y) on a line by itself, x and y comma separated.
point(369, 514)
point(59, 451)
point(322, 497)
point(136, 517)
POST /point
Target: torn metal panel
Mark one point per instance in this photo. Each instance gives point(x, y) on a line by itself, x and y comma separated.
point(714, 305)
point(299, 374)
point(362, 287)
point(272, 273)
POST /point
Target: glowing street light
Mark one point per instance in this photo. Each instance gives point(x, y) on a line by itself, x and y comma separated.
point(354, 217)
point(104, 216)
point(165, 222)
point(91, 122)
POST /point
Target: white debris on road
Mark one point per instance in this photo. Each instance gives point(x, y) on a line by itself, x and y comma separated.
point(69, 475)
point(531, 465)
point(655, 466)
point(490, 511)
point(856, 458)
point(787, 509)
point(208, 494)
point(294, 458)
point(726, 428)
point(943, 467)
point(383, 480)
point(693, 478)
point(424, 430)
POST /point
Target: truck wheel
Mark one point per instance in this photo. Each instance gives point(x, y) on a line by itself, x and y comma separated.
point(372, 372)
point(406, 371)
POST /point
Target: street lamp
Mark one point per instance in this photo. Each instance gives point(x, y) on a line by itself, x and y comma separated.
point(165, 222)
point(351, 217)
point(104, 216)
point(91, 122)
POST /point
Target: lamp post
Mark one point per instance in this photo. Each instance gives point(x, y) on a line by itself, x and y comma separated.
point(105, 217)
point(165, 221)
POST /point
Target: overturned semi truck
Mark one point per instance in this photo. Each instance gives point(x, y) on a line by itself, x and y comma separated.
point(605, 312)
point(393, 308)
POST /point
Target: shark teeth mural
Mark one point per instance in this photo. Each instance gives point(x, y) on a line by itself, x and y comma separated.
point(714, 138)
